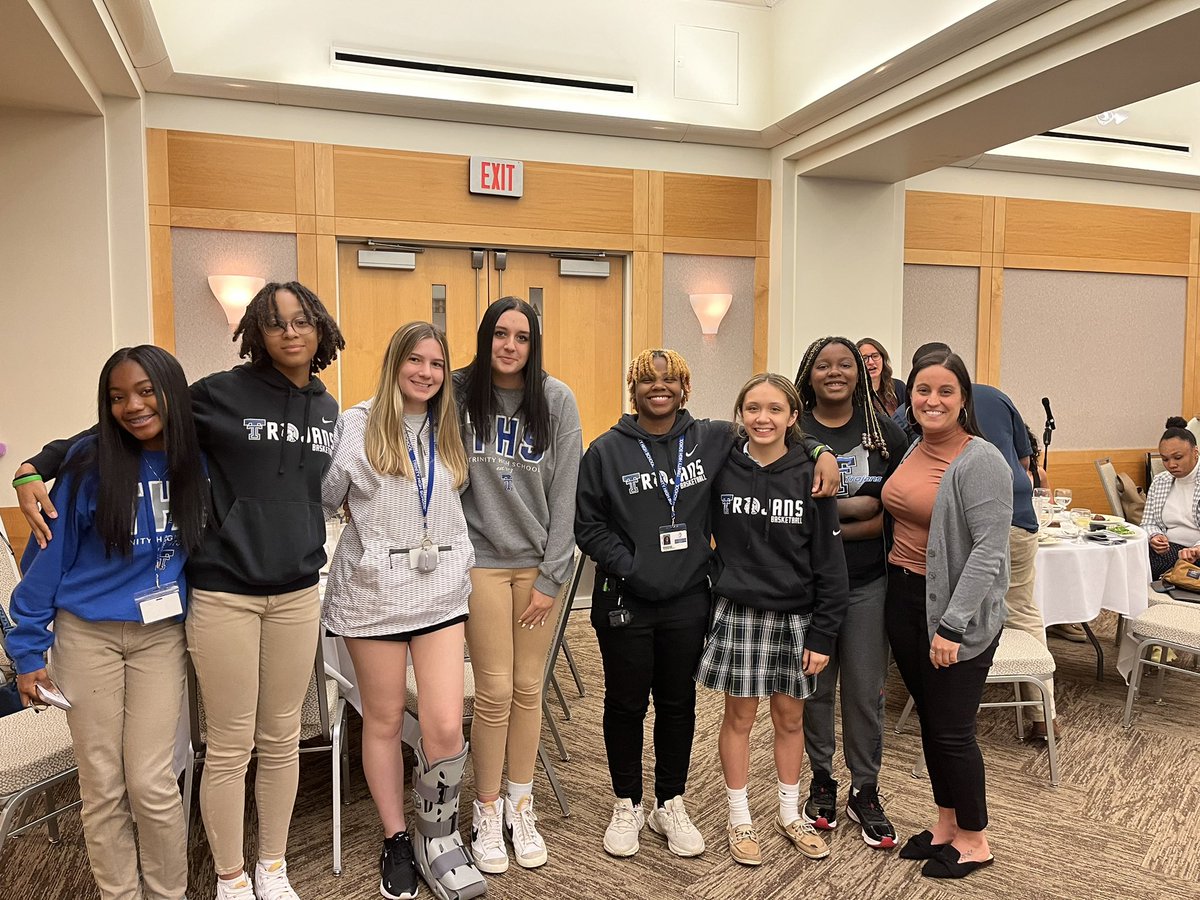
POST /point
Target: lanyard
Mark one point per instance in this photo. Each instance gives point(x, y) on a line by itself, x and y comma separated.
point(162, 552)
point(673, 495)
point(424, 491)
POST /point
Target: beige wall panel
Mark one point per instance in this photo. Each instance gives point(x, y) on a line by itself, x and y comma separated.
point(202, 334)
point(162, 302)
point(944, 222)
point(1076, 469)
point(940, 304)
point(720, 363)
point(707, 206)
point(378, 184)
point(158, 188)
point(647, 313)
point(1106, 349)
point(1046, 228)
point(211, 171)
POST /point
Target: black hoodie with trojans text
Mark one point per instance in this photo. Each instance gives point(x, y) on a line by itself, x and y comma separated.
point(778, 547)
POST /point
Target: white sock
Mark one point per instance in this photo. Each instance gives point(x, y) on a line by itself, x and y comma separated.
point(789, 802)
point(517, 791)
point(739, 806)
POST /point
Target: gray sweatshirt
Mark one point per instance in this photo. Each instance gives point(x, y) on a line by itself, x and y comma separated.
point(967, 554)
point(520, 507)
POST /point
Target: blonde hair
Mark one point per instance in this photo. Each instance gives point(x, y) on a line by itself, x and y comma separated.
point(642, 366)
point(385, 445)
point(794, 433)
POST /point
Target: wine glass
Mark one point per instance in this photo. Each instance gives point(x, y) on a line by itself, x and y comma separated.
point(1062, 497)
point(1044, 513)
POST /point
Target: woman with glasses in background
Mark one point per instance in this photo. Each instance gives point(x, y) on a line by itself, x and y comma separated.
point(888, 393)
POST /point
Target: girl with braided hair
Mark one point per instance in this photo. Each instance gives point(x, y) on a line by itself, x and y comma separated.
point(643, 513)
point(837, 397)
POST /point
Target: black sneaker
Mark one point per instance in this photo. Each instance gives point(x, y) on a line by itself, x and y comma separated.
point(397, 868)
point(865, 809)
point(821, 809)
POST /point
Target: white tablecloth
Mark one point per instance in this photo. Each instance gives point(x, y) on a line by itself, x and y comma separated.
point(1074, 581)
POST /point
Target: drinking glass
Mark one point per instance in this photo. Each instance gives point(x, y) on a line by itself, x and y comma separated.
point(1045, 514)
point(1081, 518)
point(1062, 497)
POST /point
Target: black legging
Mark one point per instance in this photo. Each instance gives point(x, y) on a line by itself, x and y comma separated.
point(947, 700)
point(1162, 563)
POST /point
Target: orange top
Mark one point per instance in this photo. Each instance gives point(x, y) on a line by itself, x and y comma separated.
point(909, 495)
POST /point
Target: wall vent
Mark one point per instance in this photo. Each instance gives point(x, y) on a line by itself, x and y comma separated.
point(382, 62)
point(1119, 142)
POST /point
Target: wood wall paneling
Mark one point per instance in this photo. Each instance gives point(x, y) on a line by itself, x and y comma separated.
point(1076, 469)
point(162, 292)
point(210, 171)
point(646, 313)
point(158, 188)
point(762, 281)
point(16, 527)
point(953, 222)
point(233, 220)
point(424, 187)
point(710, 207)
point(1092, 231)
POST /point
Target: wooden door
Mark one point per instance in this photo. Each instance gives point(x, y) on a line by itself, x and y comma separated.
point(373, 303)
point(582, 329)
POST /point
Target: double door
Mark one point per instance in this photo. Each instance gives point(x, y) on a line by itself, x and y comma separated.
point(581, 316)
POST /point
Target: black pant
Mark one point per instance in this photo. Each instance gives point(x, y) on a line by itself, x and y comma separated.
point(656, 653)
point(947, 701)
point(1162, 563)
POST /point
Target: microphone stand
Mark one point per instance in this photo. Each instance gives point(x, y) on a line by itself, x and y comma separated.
point(1047, 435)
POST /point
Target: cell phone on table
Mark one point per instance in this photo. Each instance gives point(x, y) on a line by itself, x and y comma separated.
point(52, 696)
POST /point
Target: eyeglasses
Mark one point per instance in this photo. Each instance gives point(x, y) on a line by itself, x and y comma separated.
point(872, 357)
point(299, 325)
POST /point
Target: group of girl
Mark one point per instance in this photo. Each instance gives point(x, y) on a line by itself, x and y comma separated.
point(459, 492)
point(139, 562)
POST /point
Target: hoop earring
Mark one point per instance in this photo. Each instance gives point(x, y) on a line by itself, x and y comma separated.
point(962, 417)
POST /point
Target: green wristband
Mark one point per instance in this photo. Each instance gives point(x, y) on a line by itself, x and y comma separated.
point(26, 479)
point(819, 449)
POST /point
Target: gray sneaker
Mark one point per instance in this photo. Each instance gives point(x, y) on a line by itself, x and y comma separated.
point(672, 822)
point(621, 837)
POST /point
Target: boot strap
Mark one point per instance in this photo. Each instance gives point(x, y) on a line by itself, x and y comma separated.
point(451, 859)
point(437, 829)
point(437, 793)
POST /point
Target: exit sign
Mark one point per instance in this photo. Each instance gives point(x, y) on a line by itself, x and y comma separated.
point(498, 177)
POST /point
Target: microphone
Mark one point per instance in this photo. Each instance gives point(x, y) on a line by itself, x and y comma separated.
point(1049, 415)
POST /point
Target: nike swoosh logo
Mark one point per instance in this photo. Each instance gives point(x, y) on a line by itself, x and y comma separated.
point(692, 452)
point(326, 421)
point(836, 533)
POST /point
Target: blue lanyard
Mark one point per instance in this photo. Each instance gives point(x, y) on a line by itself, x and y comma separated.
point(424, 491)
point(671, 496)
point(162, 553)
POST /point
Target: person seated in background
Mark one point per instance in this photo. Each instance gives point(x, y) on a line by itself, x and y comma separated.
point(887, 392)
point(1172, 515)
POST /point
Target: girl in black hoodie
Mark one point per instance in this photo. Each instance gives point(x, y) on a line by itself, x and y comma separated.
point(643, 514)
point(780, 594)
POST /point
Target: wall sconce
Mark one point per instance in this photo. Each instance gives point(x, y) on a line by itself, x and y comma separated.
point(234, 293)
point(710, 309)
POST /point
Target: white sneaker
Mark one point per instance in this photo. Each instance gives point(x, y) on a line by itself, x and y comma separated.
point(519, 821)
point(271, 881)
point(621, 837)
point(672, 822)
point(487, 838)
point(235, 888)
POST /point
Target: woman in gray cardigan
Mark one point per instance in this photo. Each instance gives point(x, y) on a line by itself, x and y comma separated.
point(951, 505)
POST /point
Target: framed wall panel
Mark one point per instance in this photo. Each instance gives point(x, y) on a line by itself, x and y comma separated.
point(211, 171)
point(940, 304)
point(707, 206)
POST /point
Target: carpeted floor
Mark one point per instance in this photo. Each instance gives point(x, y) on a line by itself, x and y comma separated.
point(1123, 823)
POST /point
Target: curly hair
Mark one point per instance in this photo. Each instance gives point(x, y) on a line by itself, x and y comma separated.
point(863, 396)
point(263, 309)
point(642, 366)
point(886, 395)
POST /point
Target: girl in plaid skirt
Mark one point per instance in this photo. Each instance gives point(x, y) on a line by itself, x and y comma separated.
point(780, 593)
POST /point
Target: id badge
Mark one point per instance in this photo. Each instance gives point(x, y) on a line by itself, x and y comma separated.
point(672, 537)
point(159, 603)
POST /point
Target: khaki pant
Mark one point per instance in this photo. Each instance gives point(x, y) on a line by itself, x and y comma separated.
point(254, 657)
point(126, 684)
point(1023, 611)
point(509, 664)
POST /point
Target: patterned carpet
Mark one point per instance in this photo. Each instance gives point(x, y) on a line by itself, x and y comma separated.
point(1123, 823)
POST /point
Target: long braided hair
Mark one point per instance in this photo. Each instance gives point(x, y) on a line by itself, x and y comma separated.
point(873, 438)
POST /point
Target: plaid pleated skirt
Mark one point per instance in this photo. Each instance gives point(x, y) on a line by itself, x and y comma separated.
point(755, 652)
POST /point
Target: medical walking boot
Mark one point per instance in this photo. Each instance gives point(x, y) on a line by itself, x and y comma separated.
point(443, 861)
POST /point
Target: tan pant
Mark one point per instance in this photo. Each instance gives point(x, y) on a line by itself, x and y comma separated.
point(509, 663)
point(126, 684)
point(1023, 611)
point(254, 658)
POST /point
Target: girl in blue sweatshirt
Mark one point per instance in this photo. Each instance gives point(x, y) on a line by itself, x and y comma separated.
point(780, 593)
point(132, 503)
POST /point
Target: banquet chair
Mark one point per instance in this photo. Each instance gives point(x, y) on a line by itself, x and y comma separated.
point(1171, 626)
point(1020, 659)
point(36, 755)
point(322, 715)
point(1108, 480)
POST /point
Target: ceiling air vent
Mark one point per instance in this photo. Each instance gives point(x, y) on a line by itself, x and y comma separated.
point(382, 62)
point(1119, 142)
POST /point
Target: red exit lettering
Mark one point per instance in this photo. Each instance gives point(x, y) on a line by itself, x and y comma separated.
point(495, 176)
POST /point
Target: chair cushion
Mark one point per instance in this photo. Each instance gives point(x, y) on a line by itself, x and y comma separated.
point(410, 702)
point(1020, 653)
point(1174, 622)
point(33, 747)
point(310, 711)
